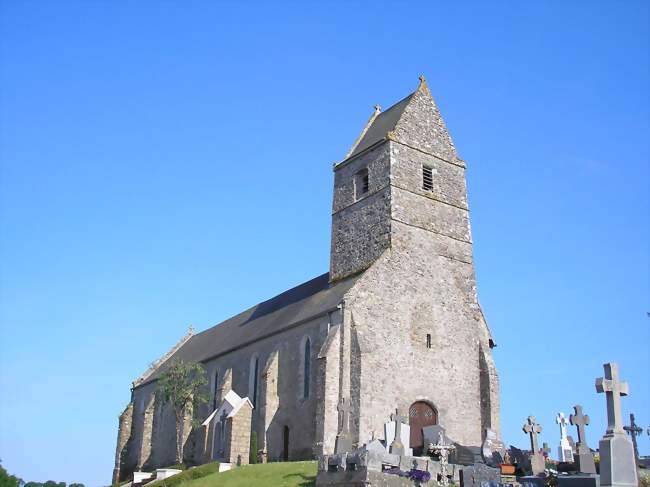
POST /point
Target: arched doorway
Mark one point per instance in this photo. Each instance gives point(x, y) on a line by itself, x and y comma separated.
point(421, 414)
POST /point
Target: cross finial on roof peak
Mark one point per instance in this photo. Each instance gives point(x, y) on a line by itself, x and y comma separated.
point(190, 331)
point(422, 79)
point(377, 108)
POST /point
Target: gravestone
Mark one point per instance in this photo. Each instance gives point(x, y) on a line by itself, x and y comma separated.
point(493, 449)
point(397, 445)
point(617, 465)
point(565, 453)
point(432, 433)
point(403, 442)
point(584, 459)
point(531, 428)
point(442, 449)
point(572, 442)
point(582, 480)
point(478, 475)
point(462, 455)
point(376, 446)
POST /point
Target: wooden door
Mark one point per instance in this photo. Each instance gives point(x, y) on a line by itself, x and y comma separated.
point(420, 415)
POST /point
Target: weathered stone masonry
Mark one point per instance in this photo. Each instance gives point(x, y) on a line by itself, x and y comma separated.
point(395, 321)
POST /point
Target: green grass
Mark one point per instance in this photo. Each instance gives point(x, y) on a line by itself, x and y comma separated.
point(187, 475)
point(285, 474)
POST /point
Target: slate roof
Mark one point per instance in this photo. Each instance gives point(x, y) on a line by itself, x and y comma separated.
point(381, 125)
point(290, 308)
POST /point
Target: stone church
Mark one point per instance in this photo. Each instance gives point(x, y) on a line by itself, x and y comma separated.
point(395, 323)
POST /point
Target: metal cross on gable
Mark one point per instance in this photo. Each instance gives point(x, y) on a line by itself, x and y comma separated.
point(634, 430)
point(613, 388)
point(533, 429)
point(579, 420)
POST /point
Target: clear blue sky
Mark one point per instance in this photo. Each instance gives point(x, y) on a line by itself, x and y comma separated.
point(169, 163)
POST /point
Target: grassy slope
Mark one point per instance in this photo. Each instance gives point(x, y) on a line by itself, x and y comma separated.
point(285, 474)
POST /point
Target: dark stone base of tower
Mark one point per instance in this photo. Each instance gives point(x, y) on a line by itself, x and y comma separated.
point(395, 323)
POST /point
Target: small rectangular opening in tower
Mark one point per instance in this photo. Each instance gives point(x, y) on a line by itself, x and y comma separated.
point(428, 340)
point(427, 178)
point(361, 183)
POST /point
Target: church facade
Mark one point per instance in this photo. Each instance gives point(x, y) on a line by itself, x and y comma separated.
point(395, 323)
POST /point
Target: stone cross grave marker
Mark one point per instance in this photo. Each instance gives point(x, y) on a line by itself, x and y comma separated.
point(442, 449)
point(634, 430)
point(536, 459)
point(397, 447)
point(613, 389)
point(565, 452)
point(617, 463)
point(343, 440)
point(584, 460)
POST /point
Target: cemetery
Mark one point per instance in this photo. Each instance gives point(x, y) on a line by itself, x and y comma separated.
point(390, 461)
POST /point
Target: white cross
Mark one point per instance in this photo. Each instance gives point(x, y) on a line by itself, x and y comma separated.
point(562, 421)
point(613, 389)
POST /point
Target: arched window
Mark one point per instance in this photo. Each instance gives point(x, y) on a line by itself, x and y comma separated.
point(285, 444)
point(216, 390)
point(306, 368)
point(252, 379)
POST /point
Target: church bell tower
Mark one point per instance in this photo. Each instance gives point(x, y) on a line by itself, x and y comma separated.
point(402, 168)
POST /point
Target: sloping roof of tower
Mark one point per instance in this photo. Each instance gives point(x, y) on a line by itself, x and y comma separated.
point(290, 308)
point(379, 126)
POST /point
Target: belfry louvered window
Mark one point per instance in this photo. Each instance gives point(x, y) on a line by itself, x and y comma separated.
point(427, 178)
point(361, 183)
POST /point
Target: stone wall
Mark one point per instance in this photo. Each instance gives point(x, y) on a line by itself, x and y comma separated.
point(238, 434)
point(123, 436)
point(360, 228)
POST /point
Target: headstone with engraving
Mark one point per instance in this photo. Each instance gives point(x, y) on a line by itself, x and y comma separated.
point(565, 454)
point(583, 458)
point(532, 428)
point(617, 465)
point(493, 449)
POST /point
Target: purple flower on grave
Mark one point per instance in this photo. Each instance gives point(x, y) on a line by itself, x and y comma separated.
point(419, 475)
